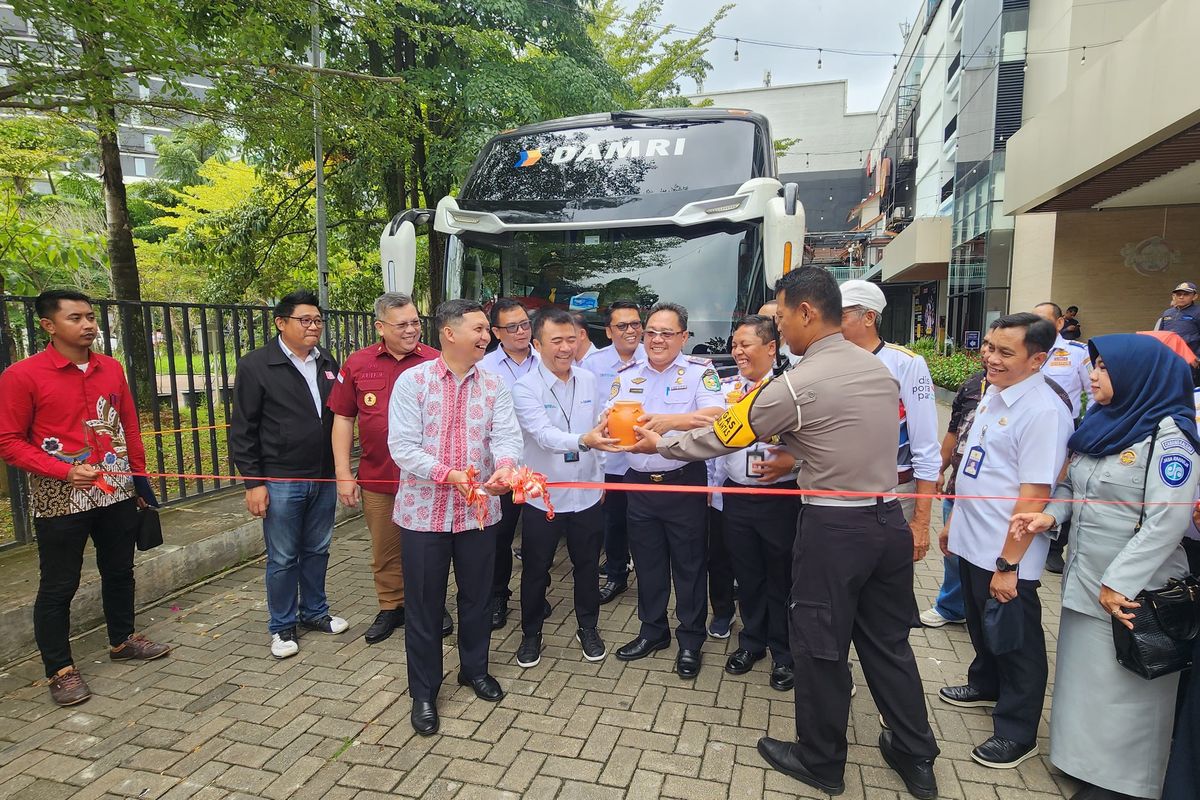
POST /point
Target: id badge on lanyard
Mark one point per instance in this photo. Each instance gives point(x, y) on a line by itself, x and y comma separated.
point(754, 456)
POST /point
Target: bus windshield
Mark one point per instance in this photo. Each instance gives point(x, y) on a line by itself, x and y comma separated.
point(716, 274)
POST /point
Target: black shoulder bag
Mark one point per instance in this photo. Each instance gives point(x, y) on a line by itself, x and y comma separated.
point(1167, 622)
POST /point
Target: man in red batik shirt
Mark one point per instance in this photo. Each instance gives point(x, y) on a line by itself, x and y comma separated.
point(362, 391)
point(67, 418)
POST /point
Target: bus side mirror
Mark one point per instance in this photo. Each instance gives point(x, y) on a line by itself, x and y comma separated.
point(783, 234)
point(398, 249)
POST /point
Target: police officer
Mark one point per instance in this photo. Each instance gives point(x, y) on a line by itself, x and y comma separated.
point(1182, 317)
point(759, 530)
point(667, 532)
point(623, 325)
point(852, 568)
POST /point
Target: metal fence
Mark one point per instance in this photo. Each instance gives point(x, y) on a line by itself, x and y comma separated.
point(182, 388)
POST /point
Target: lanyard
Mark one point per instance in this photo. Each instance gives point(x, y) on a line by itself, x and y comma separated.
point(524, 364)
point(570, 404)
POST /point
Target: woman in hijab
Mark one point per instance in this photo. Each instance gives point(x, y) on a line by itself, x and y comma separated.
point(1110, 728)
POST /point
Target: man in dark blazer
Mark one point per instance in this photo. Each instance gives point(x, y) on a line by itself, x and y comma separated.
point(280, 442)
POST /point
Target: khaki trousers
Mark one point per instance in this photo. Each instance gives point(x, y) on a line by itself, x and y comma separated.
point(385, 549)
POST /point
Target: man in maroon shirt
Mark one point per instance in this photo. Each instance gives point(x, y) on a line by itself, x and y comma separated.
point(67, 418)
point(363, 389)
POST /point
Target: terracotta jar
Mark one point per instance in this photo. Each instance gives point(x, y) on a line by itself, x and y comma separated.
point(621, 419)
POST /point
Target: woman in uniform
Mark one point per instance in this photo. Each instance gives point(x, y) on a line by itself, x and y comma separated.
point(1110, 728)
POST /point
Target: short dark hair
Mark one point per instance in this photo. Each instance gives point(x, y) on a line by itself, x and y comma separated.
point(301, 297)
point(1073, 309)
point(500, 306)
point(579, 319)
point(618, 305)
point(1057, 308)
point(551, 314)
point(764, 327)
point(815, 286)
point(48, 301)
point(451, 311)
point(679, 311)
point(1039, 333)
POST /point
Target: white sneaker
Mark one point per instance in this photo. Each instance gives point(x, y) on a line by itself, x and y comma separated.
point(932, 618)
point(284, 645)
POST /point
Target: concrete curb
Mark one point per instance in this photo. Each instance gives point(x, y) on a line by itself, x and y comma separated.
point(216, 538)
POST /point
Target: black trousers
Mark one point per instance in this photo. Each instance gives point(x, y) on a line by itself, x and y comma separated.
point(426, 558)
point(1016, 679)
point(584, 532)
point(506, 529)
point(61, 540)
point(668, 538)
point(616, 531)
point(1183, 769)
point(759, 533)
point(852, 581)
point(720, 567)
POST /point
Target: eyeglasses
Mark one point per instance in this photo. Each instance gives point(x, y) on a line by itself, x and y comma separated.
point(415, 325)
point(625, 326)
point(516, 326)
point(664, 335)
point(309, 322)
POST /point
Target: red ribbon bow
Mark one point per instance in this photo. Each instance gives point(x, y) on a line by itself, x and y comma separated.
point(523, 482)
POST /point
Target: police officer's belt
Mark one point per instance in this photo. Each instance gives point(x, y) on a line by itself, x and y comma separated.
point(661, 477)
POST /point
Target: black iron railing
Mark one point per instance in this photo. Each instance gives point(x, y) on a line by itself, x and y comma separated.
point(182, 382)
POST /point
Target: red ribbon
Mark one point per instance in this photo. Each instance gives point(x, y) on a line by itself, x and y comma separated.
point(523, 482)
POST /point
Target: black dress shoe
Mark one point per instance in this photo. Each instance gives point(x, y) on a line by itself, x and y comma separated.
point(424, 717)
point(447, 623)
point(499, 612)
point(385, 622)
point(965, 697)
point(782, 756)
point(687, 663)
point(917, 773)
point(742, 661)
point(781, 678)
point(1000, 753)
point(486, 687)
point(640, 648)
point(610, 590)
point(1090, 792)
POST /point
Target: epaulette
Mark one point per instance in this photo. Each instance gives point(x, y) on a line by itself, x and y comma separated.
point(901, 348)
point(1077, 344)
point(700, 362)
point(732, 379)
point(630, 365)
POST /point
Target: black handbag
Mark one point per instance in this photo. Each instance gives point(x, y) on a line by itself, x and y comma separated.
point(149, 531)
point(1163, 630)
point(1165, 624)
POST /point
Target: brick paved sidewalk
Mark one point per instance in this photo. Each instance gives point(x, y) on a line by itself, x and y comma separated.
point(220, 718)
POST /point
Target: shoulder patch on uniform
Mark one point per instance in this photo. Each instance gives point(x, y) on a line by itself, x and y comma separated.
point(901, 348)
point(711, 380)
point(702, 362)
point(733, 427)
point(1177, 443)
point(1174, 469)
point(615, 389)
point(630, 365)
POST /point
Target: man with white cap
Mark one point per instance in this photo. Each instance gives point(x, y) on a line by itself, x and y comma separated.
point(918, 458)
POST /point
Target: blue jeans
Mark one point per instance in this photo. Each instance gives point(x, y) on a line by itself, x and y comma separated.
point(297, 529)
point(950, 597)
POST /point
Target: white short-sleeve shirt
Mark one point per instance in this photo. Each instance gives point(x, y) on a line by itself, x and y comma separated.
point(1022, 432)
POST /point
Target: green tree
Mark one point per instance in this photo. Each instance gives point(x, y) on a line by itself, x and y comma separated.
point(646, 55)
point(181, 154)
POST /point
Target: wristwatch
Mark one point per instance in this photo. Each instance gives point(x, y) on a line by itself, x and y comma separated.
point(583, 448)
point(1002, 565)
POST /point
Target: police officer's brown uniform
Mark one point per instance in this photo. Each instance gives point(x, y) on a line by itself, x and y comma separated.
point(852, 560)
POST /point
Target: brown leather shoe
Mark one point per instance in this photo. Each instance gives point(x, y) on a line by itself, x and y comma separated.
point(140, 648)
point(67, 688)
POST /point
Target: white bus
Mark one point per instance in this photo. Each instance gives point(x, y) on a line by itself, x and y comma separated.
point(681, 205)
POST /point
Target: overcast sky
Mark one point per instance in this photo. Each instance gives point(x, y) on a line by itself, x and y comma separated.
point(850, 24)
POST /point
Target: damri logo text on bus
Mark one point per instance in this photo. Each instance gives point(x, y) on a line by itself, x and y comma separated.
point(612, 151)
